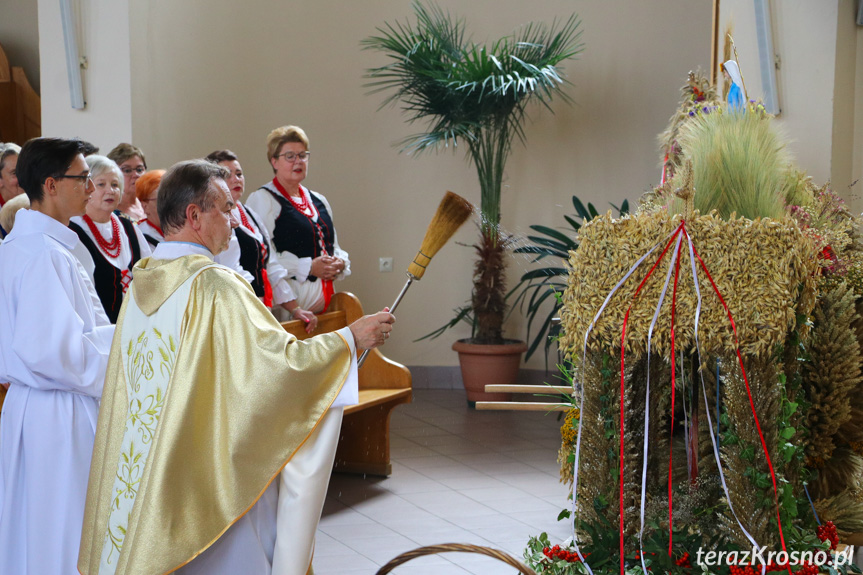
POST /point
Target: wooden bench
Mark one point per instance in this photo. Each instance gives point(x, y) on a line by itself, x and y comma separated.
point(364, 446)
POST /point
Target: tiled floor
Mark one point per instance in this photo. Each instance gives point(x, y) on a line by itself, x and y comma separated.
point(459, 476)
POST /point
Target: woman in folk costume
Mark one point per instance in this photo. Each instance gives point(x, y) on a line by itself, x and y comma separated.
point(132, 164)
point(257, 255)
point(300, 222)
point(110, 245)
point(147, 192)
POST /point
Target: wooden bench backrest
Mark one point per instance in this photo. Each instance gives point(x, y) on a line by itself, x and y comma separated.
point(378, 372)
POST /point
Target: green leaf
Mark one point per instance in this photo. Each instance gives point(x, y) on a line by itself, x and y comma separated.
point(788, 433)
point(563, 238)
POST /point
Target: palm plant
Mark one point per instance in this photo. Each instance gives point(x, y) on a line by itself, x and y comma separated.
point(478, 95)
point(544, 285)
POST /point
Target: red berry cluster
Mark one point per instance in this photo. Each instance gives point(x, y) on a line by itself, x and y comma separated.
point(683, 561)
point(557, 553)
point(808, 569)
point(828, 531)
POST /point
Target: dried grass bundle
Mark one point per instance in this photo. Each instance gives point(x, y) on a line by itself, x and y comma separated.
point(845, 510)
point(740, 165)
point(833, 373)
point(759, 267)
point(452, 212)
point(697, 96)
point(746, 452)
point(844, 471)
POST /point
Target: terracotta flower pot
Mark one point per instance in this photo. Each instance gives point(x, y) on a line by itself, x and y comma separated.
point(488, 364)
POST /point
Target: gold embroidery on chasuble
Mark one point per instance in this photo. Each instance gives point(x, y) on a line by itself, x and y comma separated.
point(149, 347)
point(243, 397)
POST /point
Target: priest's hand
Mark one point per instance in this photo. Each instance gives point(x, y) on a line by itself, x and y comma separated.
point(370, 331)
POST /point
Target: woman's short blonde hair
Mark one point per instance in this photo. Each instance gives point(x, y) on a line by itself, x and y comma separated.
point(10, 208)
point(281, 136)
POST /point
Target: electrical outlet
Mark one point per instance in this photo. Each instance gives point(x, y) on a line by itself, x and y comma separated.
point(385, 264)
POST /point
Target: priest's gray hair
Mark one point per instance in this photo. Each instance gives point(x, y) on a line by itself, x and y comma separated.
point(184, 184)
point(101, 165)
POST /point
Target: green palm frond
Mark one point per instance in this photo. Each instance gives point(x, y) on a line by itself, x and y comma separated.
point(477, 95)
point(461, 87)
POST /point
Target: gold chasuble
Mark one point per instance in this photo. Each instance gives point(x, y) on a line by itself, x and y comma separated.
point(212, 415)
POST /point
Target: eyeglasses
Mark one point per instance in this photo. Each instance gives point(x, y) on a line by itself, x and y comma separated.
point(291, 156)
point(84, 178)
point(139, 170)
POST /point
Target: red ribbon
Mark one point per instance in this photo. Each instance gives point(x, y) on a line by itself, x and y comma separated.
point(748, 393)
point(268, 288)
point(682, 228)
point(673, 375)
point(622, 378)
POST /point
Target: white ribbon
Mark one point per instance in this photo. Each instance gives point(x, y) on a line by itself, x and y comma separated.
point(581, 401)
point(647, 404)
point(707, 411)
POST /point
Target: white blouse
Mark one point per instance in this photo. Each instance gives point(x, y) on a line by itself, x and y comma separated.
point(121, 262)
point(276, 272)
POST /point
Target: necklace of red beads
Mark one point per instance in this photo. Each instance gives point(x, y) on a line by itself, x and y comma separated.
point(244, 219)
point(302, 204)
point(111, 247)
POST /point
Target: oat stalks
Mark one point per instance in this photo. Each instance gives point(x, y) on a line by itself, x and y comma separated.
point(747, 452)
point(832, 375)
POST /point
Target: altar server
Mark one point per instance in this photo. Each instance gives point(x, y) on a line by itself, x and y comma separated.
point(53, 351)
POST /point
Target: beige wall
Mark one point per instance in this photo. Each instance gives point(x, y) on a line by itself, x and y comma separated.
point(212, 74)
point(818, 82)
point(19, 35)
point(104, 40)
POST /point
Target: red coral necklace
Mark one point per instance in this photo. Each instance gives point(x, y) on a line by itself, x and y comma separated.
point(111, 248)
point(245, 220)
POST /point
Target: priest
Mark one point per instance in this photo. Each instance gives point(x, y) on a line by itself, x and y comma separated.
point(53, 351)
point(206, 399)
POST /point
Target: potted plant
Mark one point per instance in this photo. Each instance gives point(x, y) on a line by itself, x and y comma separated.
point(476, 95)
point(543, 285)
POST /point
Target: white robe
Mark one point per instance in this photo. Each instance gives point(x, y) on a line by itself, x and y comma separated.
point(54, 349)
point(280, 524)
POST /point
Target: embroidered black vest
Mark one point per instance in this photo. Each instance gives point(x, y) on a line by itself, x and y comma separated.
point(253, 255)
point(296, 233)
point(108, 279)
